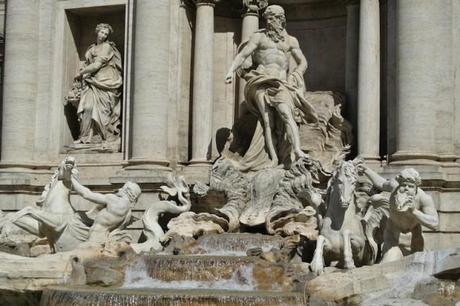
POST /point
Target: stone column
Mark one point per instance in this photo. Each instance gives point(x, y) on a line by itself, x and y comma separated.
point(369, 80)
point(203, 82)
point(20, 82)
point(149, 120)
point(351, 65)
point(250, 24)
point(424, 75)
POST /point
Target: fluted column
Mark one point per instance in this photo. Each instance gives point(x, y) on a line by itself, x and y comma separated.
point(20, 82)
point(369, 80)
point(203, 81)
point(149, 118)
point(424, 74)
point(351, 64)
point(250, 24)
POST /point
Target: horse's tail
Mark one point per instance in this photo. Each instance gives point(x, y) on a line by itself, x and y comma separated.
point(374, 223)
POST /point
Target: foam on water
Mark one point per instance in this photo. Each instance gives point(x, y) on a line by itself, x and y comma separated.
point(136, 277)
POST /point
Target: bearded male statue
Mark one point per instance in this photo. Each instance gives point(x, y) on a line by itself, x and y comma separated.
point(272, 64)
point(410, 208)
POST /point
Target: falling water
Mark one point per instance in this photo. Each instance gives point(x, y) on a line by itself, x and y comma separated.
point(137, 276)
point(205, 279)
point(235, 244)
point(200, 268)
point(162, 297)
point(190, 272)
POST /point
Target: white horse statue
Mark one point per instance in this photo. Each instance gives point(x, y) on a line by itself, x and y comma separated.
point(345, 236)
point(53, 217)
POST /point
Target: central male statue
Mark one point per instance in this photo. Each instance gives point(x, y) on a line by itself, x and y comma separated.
point(273, 65)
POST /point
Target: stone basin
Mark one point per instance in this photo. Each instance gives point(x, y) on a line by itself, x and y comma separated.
point(159, 297)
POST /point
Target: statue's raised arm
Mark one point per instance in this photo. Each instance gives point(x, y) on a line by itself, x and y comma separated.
point(247, 51)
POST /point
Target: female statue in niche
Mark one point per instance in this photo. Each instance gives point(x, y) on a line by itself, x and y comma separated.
point(97, 90)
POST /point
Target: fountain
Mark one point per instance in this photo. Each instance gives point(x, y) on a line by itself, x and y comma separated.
point(298, 223)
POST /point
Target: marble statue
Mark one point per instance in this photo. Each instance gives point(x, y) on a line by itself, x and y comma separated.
point(295, 206)
point(177, 201)
point(327, 141)
point(283, 202)
point(410, 209)
point(112, 211)
point(97, 93)
point(53, 216)
point(273, 65)
point(343, 234)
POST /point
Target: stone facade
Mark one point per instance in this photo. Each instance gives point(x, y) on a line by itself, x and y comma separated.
point(395, 61)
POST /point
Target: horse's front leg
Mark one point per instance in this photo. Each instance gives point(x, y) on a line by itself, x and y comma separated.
point(26, 223)
point(29, 225)
point(348, 262)
point(317, 263)
point(44, 218)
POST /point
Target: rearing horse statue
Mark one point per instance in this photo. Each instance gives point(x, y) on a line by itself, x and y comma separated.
point(53, 217)
point(342, 236)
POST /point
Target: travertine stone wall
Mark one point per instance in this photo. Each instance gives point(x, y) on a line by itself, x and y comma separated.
point(151, 82)
point(368, 128)
point(456, 67)
point(226, 40)
point(424, 78)
point(323, 42)
point(203, 76)
point(44, 51)
point(20, 81)
point(187, 15)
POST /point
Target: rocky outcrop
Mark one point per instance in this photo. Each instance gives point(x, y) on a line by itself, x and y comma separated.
point(409, 281)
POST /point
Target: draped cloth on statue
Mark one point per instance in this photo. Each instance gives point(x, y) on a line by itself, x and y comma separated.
point(99, 108)
point(262, 93)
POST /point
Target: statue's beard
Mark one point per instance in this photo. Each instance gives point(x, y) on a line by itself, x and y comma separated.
point(404, 199)
point(275, 31)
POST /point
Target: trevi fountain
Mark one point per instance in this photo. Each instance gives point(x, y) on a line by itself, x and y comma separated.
point(199, 159)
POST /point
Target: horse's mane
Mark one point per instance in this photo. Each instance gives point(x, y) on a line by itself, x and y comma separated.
point(350, 170)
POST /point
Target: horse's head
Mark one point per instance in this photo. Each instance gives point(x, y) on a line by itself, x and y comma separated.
point(343, 184)
point(56, 195)
point(65, 168)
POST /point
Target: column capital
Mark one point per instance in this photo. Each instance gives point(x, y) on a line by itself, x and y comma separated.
point(206, 2)
point(254, 6)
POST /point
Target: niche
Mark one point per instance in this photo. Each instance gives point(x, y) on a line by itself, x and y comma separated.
point(95, 101)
